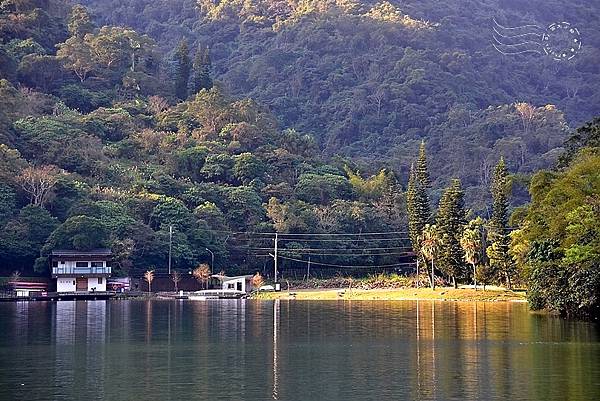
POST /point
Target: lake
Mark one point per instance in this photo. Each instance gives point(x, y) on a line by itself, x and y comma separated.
point(293, 350)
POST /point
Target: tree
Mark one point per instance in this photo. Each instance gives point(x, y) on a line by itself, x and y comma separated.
point(109, 46)
point(322, 188)
point(527, 112)
point(422, 170)
point(588, 135)
point(484, 274)
point(77, 56)
point(176, 277)
point(429, 242)
point(417, 205)
point(472, 245)
point(38, 182)
point(560, 234)
point(498, 251)
point(15, 276)
point(8, 203)
point(202, 273)
point(149, 277)
point(80, 23)
point(257, 281)
point(11, 164)
point(202, 67)
point(182, 69)
point(450, 224)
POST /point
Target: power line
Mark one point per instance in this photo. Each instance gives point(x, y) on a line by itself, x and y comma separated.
point(325, 249)
point(346, 239)
point(354, 255)
point(348, 266)
point(305, 234)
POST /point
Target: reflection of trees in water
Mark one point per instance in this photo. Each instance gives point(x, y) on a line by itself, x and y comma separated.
point(307, 350)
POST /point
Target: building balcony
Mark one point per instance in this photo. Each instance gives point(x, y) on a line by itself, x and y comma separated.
point(81, 271)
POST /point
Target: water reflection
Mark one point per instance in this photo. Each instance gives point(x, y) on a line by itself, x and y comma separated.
point(285, 350)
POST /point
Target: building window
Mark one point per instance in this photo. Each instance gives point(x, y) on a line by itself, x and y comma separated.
point(97, 264)
point(54, 263)
point(73, 282)
point(99, 280)
point(82, 264)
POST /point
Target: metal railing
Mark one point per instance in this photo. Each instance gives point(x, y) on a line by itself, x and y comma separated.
point(81, 270)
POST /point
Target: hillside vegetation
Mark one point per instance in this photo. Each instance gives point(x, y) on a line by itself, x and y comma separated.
point(228, 121)
point(371, 79)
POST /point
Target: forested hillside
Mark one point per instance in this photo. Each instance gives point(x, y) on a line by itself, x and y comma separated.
point(226, 121)
point(374, 78)
point(97, 150)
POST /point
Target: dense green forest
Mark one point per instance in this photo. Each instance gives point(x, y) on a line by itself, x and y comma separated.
point(230, 121)
point(371, 79)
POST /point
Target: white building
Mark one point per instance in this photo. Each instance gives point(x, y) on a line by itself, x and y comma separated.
point(237, 283)
point(81, 271)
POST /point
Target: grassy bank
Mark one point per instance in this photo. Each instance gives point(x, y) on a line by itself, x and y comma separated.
point(392, 294)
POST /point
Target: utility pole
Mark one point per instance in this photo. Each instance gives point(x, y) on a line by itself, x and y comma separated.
point(418, 271)
point(170, 246)
point(308, 269)
point(275, 256)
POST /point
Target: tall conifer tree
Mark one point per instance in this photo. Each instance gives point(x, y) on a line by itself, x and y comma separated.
point(422, 169)
point(417, 200)
point(498, 251)
point(450, 223)
point(201, 78)
point(182, 69)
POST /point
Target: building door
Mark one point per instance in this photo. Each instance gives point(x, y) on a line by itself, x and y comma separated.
point(239, 286)
point(82, 284)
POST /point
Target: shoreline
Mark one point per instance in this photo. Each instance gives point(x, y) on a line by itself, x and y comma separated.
point(396, 294)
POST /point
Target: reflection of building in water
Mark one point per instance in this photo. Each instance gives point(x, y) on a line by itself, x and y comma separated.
point(79, 330)
point(95, 348)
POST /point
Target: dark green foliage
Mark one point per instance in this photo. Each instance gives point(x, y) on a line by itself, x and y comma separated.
point(499, 233)
point(79, 232)
point(421, 171)
point(371, 80)
point(80, 22)
point(182, 68)
point(450, 222)
point(587, 135)
point(202, 68)
point(417, 199)
point(41, 72)
point(322, 188)
point(7, 203)
point(82, 99)
point(23, 237)
point(561, 238)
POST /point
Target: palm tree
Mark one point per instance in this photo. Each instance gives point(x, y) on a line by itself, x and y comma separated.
point(429, 247)
point(471, 244)
point(149, 277)
point(202, 273)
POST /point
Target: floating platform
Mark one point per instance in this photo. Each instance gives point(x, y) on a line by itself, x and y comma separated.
point(62, 296)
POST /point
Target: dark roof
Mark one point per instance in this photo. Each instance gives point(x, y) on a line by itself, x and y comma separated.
point(71, 252)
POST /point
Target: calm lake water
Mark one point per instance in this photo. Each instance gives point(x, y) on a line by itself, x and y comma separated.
point(259, 350)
